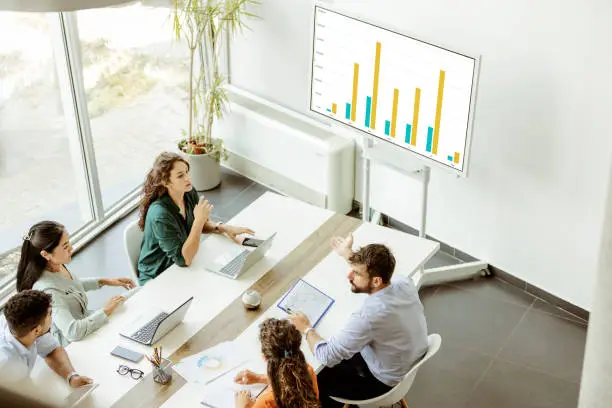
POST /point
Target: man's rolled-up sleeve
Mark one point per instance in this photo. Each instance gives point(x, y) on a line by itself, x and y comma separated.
point(349, 341)
point(45, 344)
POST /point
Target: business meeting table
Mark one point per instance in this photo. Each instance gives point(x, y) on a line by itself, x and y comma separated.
point(301, 249)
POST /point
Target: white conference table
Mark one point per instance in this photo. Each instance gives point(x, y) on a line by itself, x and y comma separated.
point(295, 223)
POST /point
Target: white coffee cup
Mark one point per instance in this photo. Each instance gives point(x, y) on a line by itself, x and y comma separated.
point(251, 299)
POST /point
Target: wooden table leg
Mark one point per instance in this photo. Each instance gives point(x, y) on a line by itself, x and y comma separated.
point(404, 405)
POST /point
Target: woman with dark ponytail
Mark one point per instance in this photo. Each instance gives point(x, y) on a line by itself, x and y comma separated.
point(292, 382)
point(45, 251)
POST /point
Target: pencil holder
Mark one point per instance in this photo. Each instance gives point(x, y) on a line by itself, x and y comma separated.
point(163, 373)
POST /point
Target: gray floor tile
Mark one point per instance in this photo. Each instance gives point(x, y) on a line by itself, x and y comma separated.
point(447, 380)
point(241, 201)
point(555, 300)
point(496, 289)
point(467, 320)
point(548, 344)
point(556, 311)
point(508, 385)
point(232, 184)
point(427, 292)
point(441, 259)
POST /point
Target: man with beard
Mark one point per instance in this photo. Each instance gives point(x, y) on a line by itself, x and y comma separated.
point(381, 341)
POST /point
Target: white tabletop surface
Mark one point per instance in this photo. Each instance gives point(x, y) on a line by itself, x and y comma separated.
point(329, 276)
point(292, 220)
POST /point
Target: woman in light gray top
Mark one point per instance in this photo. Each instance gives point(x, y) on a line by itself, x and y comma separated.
point(44, 252)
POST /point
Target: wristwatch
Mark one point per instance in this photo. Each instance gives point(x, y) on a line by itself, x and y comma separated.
point(217, 226)
point(308, 330)
point(69, 376)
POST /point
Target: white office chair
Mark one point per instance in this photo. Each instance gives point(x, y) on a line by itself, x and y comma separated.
point(397, 393)
point(132, 238)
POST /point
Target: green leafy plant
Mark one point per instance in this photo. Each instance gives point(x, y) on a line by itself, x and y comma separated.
point(204, 24)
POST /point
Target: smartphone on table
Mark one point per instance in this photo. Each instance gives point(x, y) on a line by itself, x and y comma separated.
point(252, 242)
point(126, 354)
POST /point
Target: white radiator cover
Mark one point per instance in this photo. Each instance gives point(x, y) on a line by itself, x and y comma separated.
point(288, 152)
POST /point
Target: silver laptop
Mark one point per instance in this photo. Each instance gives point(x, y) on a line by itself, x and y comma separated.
point(234, 263)
point(149, 329)
point(78, 395)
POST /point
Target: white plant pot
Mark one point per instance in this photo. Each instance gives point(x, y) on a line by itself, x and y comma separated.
point(205, 171)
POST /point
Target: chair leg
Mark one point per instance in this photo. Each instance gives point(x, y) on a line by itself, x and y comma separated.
point(403, 402)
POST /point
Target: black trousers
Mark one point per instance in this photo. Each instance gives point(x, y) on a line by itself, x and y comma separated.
point(351, 379)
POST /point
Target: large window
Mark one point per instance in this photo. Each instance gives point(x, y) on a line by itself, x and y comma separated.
point(87, 100)
point(134, 75)
point(41, 174)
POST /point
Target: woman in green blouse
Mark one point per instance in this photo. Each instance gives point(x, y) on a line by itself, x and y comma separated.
point(172, 217)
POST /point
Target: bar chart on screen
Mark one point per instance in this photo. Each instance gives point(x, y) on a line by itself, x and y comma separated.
point(405, 91)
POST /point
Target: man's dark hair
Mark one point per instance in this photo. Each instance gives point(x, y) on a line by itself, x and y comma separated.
point(26, 310)
point(378, 259)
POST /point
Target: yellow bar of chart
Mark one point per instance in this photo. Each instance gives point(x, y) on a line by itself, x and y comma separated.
point(334, 108)
point(415, 116)
point(394, 111)
point(355, 87)
point(375, 90)
point(456, 158)
point(436, 134)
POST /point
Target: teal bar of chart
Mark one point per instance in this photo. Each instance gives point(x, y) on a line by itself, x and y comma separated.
point(408, 132)
point(348, 111)
point(429, 139)
point(368, 111)
point(387, 127)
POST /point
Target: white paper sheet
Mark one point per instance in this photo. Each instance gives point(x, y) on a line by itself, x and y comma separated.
point(220, 393)
point(209, 364)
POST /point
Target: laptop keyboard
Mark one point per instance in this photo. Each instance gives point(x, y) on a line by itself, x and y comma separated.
point(235, 265)
point(146, 332)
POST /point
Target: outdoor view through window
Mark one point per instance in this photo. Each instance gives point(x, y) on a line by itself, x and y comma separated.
point(134, 75)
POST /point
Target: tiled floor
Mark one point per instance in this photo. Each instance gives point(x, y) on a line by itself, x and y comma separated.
point(501, 347)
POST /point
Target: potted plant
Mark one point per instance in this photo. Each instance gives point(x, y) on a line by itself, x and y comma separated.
point(204, 24)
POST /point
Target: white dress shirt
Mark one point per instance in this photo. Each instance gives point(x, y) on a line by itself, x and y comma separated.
point(389, 331)
point(16, 361)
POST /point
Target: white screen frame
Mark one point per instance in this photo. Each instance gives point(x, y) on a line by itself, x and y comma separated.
point(358, 132)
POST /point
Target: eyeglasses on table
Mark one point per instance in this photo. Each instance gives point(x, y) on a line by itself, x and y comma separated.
point(133, 372)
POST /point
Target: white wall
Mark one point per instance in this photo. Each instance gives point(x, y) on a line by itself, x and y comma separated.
point(533, 204)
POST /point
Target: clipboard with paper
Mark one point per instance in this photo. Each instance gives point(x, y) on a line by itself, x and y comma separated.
point(305, 298)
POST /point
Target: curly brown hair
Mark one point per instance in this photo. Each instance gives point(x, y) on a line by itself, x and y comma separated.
point(26, 310)
point(288, 372)
point(378, 260)
point(153, 187)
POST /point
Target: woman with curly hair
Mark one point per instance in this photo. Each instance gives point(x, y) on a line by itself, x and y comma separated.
point(172, 217)
point(292, 383)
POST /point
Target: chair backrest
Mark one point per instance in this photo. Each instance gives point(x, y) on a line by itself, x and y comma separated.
point(132, 238)
point(400, 390)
